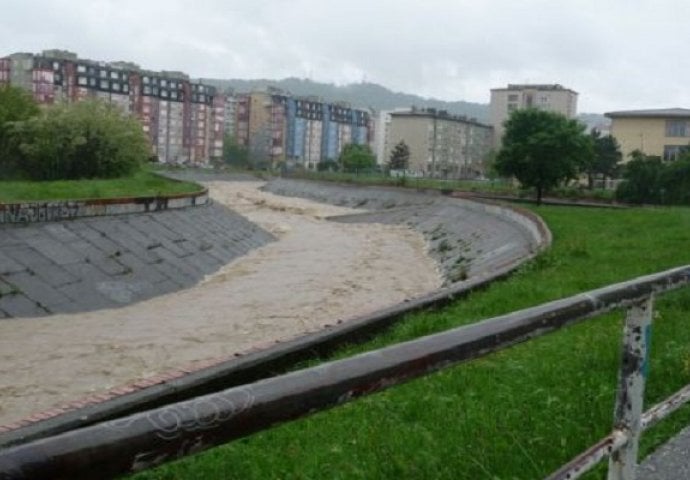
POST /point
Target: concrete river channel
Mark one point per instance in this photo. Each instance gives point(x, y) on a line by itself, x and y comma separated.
point(92, 304)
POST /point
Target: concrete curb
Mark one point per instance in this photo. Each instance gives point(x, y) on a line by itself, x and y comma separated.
point(260, 362)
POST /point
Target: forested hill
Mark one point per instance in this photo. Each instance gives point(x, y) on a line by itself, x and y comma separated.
point(372, 95)
point(360, 95)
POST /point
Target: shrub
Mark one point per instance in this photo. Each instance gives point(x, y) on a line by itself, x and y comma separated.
point(88, 139)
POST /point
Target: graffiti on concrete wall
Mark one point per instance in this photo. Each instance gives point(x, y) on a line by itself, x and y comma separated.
point(37, 212)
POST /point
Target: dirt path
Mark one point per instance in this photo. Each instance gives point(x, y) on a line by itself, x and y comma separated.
point(316, 273)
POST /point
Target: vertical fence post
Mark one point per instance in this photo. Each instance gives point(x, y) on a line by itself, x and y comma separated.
point(631, 382)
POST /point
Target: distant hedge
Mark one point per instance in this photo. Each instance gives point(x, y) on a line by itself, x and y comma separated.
point(89, 139)
point(650, 180)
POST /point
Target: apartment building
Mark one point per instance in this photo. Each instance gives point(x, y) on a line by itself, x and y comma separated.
point(658, 132)
point(552, 97)
point(230, 113)
point(183, 120)
point(304, 130)
point(304, 133)
point(441, 145)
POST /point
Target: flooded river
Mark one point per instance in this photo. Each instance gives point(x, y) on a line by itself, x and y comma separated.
point(316, 273)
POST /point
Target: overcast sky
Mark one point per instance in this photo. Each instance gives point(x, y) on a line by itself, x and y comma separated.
point(618, 54)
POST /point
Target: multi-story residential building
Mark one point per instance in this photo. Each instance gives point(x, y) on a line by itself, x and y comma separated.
point(231, 113)
point(554, 98)
point(304, 132)
point(658, 132)
point(183, 119)
point(383, 121)
point(441, 145)
point(261, 121)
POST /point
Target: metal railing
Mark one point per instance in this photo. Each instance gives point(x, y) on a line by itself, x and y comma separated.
point(156, 436)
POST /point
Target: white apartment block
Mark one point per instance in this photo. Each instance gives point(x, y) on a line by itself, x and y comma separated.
point(552, 98)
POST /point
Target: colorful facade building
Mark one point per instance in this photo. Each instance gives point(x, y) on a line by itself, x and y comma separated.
point(300, 131)
point(186, 121)
point(183, 120)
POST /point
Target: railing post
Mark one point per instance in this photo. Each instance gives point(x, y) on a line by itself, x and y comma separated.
point(631, 382)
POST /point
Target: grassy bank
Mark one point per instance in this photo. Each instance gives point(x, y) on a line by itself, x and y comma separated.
point(493, 187)
point(141, 184)
point(518, 414)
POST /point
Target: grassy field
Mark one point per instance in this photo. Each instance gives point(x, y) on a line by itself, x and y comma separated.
point(142, 184)
point(518, 414)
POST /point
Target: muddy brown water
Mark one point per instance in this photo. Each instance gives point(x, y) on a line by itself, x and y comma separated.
point(316, 273)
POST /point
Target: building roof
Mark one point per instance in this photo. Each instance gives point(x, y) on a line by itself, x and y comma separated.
point(534, 86)
point(651, 113)
point(438, 114)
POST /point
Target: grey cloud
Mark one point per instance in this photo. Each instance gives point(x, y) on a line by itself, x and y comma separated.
point(617, 54)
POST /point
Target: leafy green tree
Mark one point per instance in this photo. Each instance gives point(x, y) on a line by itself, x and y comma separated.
point(400, 157)
point(355, 157)
point(15, 105)
point(235, 154)
point(606, 159)
point(641, 179)
point(675, 181)
point(88, 139)
point(542, 149)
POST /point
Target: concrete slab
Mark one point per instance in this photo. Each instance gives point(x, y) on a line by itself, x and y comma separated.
point(669, 462)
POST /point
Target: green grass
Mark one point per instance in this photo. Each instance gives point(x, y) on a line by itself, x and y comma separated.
point(517, 414)
point(141, 184)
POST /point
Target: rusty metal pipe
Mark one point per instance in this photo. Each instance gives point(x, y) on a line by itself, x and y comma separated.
point(588, 459)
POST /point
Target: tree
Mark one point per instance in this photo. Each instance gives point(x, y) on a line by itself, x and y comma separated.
point(234, 154)
point(606, 159)
point(356, 157)
point(647, 179)
point(89, 139)
point(15, 105)
point(641, 179)
point(400, 156)
point(542, 149)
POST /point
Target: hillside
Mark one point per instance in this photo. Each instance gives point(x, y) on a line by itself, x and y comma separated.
point(371, 95)
point(361, 95)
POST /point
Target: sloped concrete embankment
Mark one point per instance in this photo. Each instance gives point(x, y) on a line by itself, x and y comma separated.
point(104, 262)
point(492, 241)
point(467, 238)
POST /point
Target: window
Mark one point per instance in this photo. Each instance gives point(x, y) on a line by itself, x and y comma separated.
point(81, 81)
point(104, 85)
point(103, 74)
point(512, 106)
point(114, 75)
point(164, 83)
point(116, 86)
point(92, 82)
point(513, 97)
point(671, 152)
point(146, 80)
point(677, 128)
point(81, 68)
